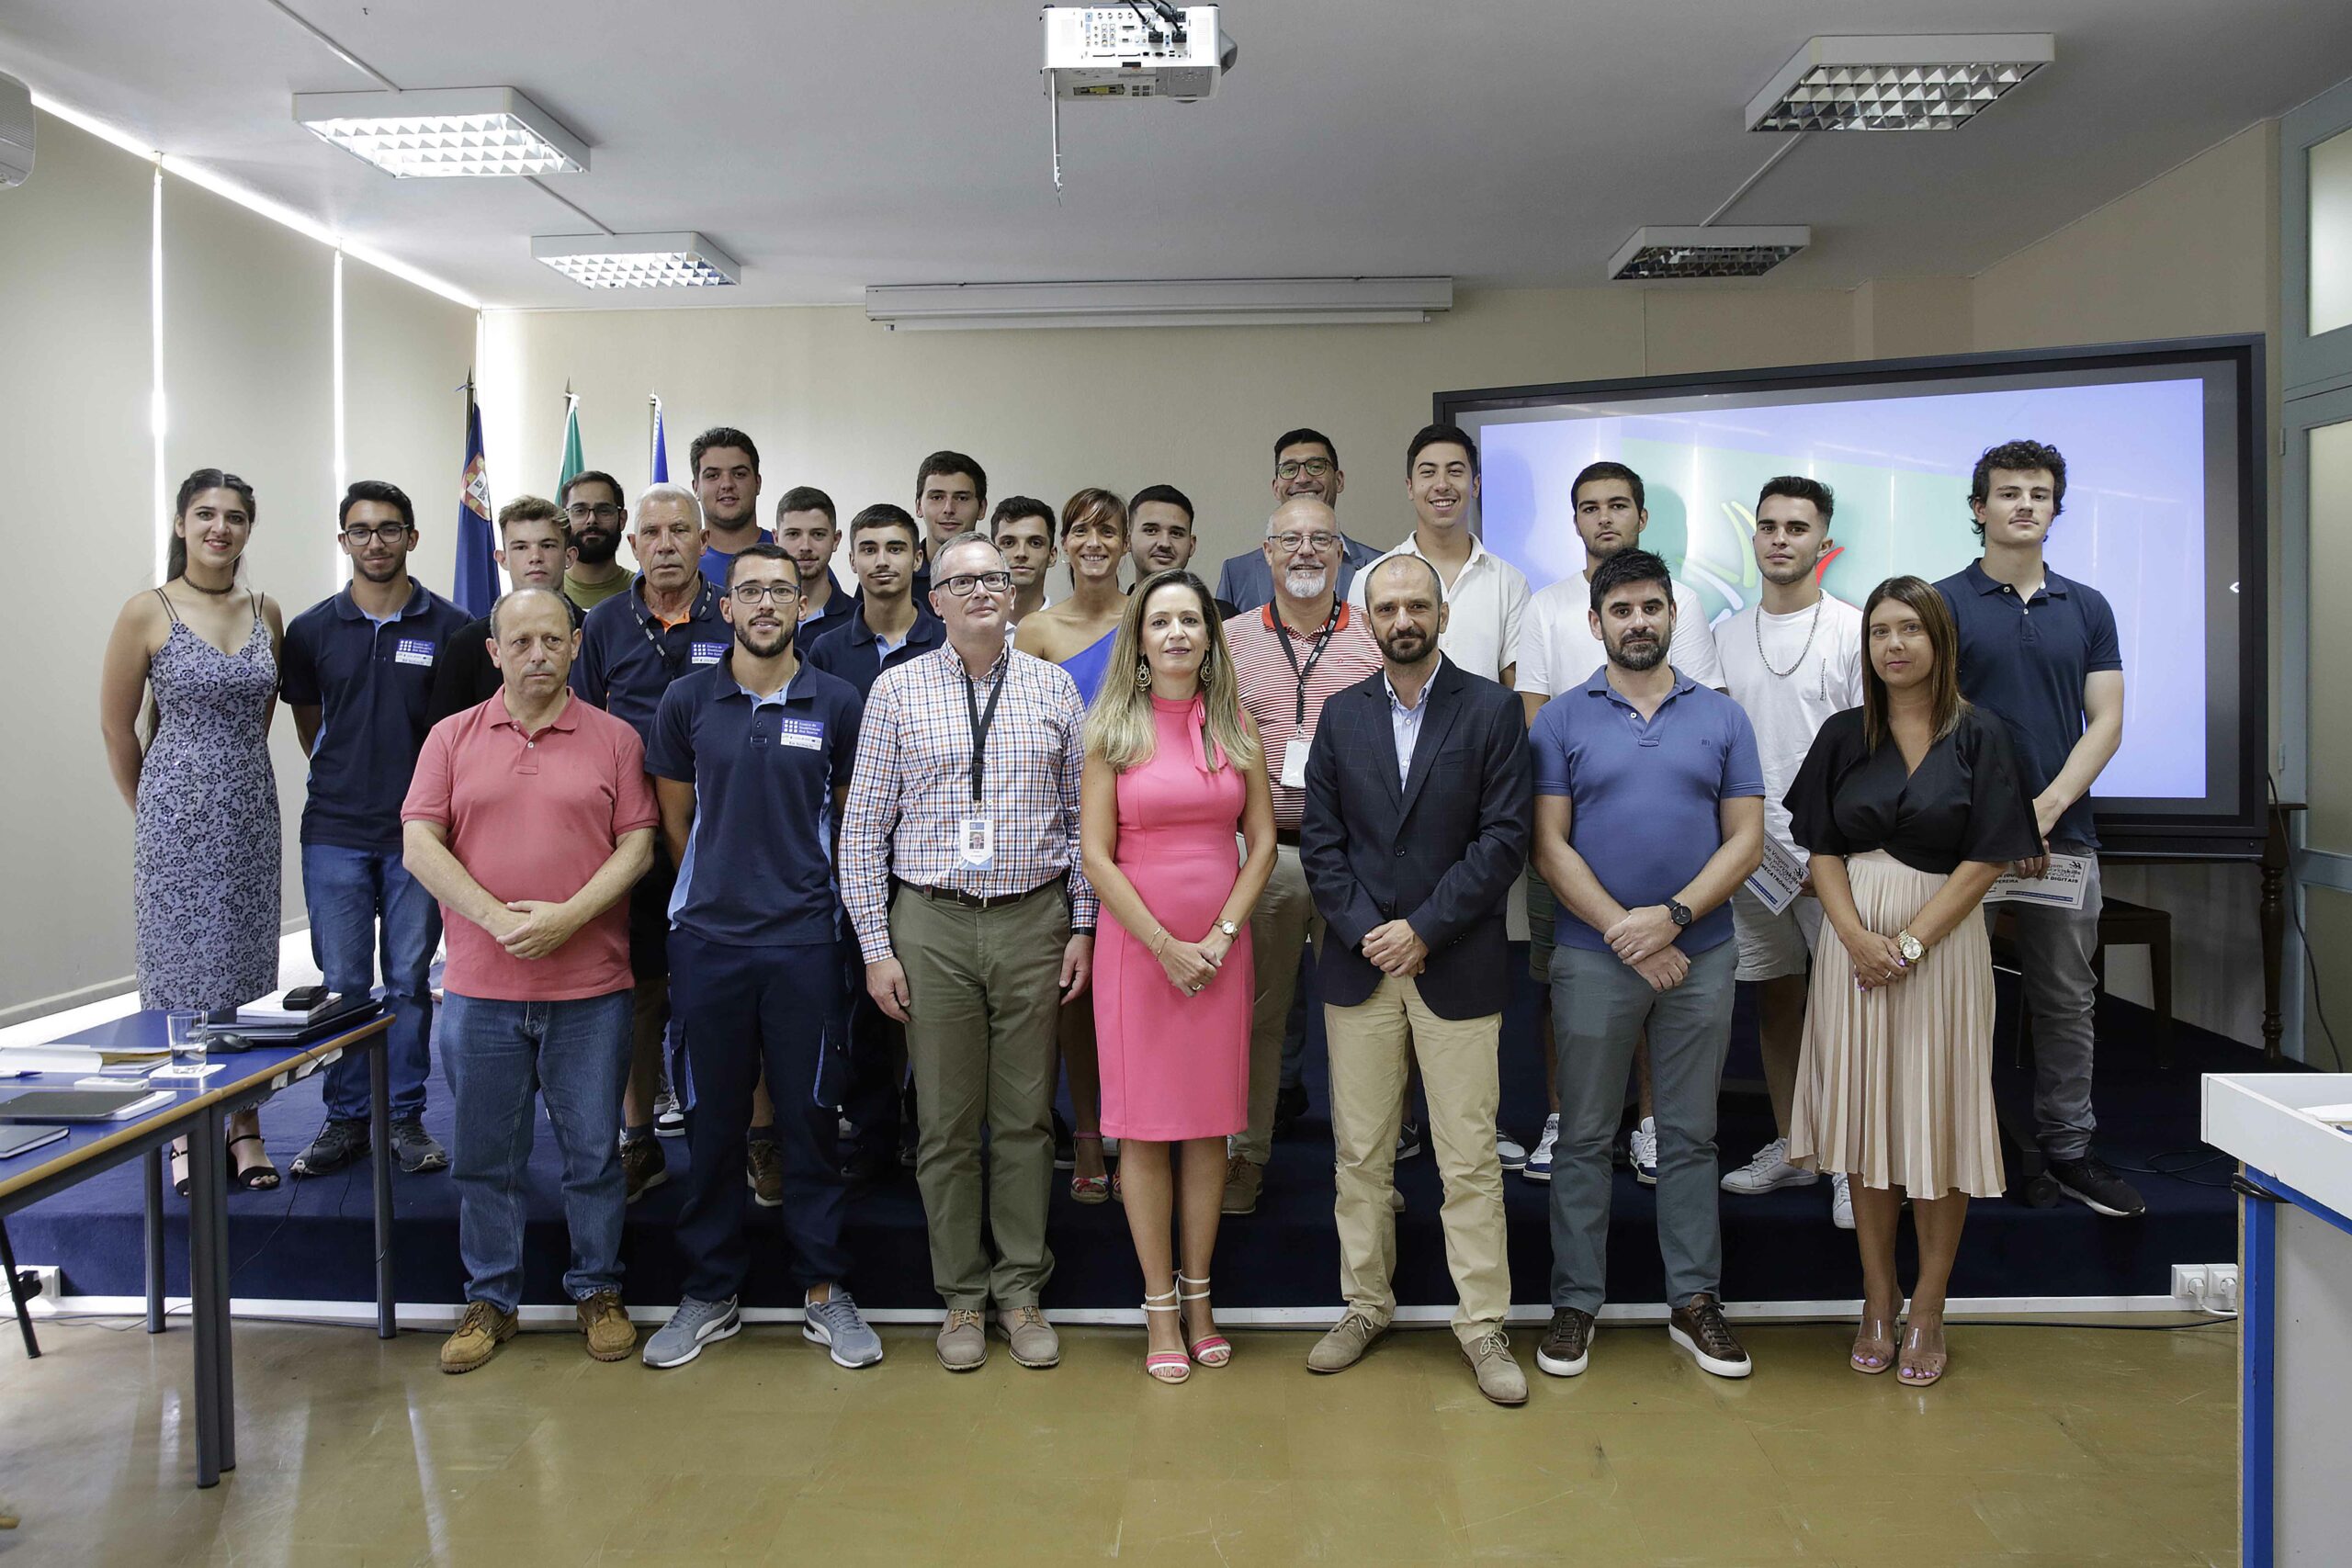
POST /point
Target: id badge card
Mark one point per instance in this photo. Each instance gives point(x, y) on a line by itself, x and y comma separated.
point(1293, 774)
point(976, 843)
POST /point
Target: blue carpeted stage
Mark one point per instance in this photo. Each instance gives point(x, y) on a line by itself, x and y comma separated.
point(311, 1240)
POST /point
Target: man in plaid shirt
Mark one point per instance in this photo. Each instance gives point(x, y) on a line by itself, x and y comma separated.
point(959, 866)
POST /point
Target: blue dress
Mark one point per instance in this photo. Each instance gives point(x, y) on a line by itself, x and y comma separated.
point(1087, 665)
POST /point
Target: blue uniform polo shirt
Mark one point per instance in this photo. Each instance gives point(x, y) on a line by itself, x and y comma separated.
point(2026, 661)
point(627, 658)
point(854, 653)
point(1643, 797)
point(758, 863)
point(373, 685)
point(713, 560)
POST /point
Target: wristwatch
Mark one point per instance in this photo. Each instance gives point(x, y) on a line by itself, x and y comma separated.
point(1910, 946)
point(1678, 910)
point(1231, 931)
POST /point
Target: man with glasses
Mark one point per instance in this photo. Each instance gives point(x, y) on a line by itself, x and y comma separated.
point(1288, 657)
point(1306, 464)
point(751, 757)
point(631, 649)
point(357, 670)
point(534, 548)
point(592, 506)
point(965, 802)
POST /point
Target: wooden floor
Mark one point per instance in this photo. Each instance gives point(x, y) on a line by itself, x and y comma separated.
point(2044, 1445)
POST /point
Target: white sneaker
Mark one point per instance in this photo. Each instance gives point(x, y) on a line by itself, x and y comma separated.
point(1768, 1171)
point(1539, 1164)
point(1841, 1202)
point(1642, 1147)
point(669, 1117)
point(1510, 1151)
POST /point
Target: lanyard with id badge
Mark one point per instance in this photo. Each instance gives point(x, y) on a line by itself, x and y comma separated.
point(1294, 769)
point(976, 833)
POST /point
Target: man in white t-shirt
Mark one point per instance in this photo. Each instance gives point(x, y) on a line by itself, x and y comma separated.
point(1559, 651)
point(1791, 659)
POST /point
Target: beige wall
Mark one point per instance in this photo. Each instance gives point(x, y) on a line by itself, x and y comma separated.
point(248, 370)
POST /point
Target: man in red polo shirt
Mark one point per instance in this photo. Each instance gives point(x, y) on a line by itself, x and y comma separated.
point(529, 817)
point(1287, 658)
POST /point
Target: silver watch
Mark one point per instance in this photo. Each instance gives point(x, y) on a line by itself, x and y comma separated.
point(1910, 946)
point(1231, 931)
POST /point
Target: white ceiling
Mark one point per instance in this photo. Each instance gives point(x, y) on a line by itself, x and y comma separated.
point(1510, 143)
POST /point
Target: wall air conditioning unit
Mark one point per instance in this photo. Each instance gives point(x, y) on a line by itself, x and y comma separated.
point(16, 131)
point(1151, 49)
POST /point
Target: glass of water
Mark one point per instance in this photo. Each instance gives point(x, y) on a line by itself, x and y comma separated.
point(184, 1027)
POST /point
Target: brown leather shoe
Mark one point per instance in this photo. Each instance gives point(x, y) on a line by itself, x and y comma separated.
point(763, 1172)
point(1035, 1343)
point(643, 1166)
point(480, 1334)
point(1244, 1179)
point(611, 1336)
point(1567, 1344)
point(1699, 1327)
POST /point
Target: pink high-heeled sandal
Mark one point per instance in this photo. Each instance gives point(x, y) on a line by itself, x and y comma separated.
point(1171, 1367)
point(1210, 1349)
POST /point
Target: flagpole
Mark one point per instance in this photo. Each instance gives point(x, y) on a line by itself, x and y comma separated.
point(652, 431)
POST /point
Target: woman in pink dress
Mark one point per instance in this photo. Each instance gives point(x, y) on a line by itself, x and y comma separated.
point(1173, 768)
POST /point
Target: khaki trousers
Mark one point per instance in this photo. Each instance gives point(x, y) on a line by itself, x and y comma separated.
point(1286, 919)
point(1371, 1044)
point(984, 986)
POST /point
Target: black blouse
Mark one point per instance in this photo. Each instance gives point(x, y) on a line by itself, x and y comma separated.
point(1966, 801)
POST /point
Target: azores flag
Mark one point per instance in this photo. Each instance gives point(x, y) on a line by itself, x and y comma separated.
point(476, 586)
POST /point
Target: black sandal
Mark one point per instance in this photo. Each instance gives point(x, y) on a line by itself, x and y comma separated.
point(179, 1167)
point(252, 1179)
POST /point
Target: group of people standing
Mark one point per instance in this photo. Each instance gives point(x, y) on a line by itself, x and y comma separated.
point(884, 866)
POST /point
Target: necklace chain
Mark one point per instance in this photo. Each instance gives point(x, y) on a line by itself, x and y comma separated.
point(1813, 626)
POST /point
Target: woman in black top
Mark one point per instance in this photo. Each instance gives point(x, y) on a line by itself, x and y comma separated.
point(1912, 808)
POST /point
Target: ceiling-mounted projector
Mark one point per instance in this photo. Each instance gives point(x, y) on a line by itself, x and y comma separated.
point(1148, 49)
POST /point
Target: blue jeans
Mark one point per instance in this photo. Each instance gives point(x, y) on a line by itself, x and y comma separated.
point(577, 1054)
point(347, 891)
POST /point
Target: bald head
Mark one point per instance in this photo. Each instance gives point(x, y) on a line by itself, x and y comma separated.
point(1303, 548)
point(1405, 572)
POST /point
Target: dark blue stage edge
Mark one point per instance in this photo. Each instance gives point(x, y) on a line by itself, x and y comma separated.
point(314, 1240)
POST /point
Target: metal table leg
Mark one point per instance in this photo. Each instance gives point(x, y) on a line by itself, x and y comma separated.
point(203, 1192)
point(153, 1172)
point(380, 1136)
point(16, 1295)
point(225, 1342)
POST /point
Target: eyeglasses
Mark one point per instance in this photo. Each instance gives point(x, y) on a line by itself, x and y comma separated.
point(762, 593)
point(390, 534)
point(582, 512)
point(961, 587)
point(1313, 467)
point(1292, 543)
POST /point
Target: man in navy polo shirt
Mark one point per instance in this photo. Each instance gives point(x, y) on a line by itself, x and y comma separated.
point(751, 759)
point(358, 670)
point(726, 485)
point(888, 628)
point(631, 648)
point(2040, 650)
point(1650, 811)
point(809, 529)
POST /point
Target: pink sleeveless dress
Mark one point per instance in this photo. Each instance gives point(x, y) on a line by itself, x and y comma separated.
point(1175, 1067)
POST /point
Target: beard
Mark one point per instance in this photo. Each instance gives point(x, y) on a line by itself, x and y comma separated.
point(1637, 654)
point(1307, 581)
point(775, 643)
point(381, 573)
point(1407, 647)
point(1791, 573)
point(596, 546)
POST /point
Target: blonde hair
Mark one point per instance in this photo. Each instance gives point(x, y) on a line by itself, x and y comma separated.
point(1119, 725)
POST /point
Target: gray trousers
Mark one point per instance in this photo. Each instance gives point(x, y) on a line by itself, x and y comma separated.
point(1690, 1030)
point(2054, 948)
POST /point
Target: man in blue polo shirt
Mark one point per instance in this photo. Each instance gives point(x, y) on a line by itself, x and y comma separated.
point(888, 628)
point(751, 759)
point(727, 484)
point(2040, 650)
point(631, 648)
point(358, 671)
point(1650, 811)
point(809, 530)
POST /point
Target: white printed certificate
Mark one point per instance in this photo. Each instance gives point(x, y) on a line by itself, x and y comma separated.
point(2060, 887)
point(1775, 883)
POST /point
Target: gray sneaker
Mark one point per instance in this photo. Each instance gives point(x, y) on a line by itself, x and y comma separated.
point(337, 1145)
point(693, 1326)
point(415, 1148)
point(1035, 1343)
point(838, 1325)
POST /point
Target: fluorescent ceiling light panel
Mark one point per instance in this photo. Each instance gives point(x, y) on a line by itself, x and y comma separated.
point(1211, 303)
point(1897, 83)
point(683, 260)
point(443, 134)
point(1726, 251)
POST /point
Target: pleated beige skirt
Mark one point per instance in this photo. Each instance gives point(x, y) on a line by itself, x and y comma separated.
point(1896, 1086)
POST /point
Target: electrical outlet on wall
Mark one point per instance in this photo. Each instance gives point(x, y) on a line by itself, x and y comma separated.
point(44, 1283)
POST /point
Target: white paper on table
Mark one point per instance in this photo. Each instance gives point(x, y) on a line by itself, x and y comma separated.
point(2061, 888)
point(1775, 883)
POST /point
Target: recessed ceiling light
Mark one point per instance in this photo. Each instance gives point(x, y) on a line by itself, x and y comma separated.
point(1896, 83)
point(683, 260)
point(1728, 251)
point(444, 133)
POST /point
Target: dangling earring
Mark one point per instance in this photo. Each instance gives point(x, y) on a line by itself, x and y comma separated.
point(1143, 675)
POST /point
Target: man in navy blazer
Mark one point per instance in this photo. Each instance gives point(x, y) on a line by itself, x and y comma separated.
point(1419, 789)
point(1312, 463)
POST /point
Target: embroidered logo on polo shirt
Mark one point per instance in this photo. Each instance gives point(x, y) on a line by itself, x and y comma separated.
point(706, 652)
point(809, 734)
point(413, 650)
